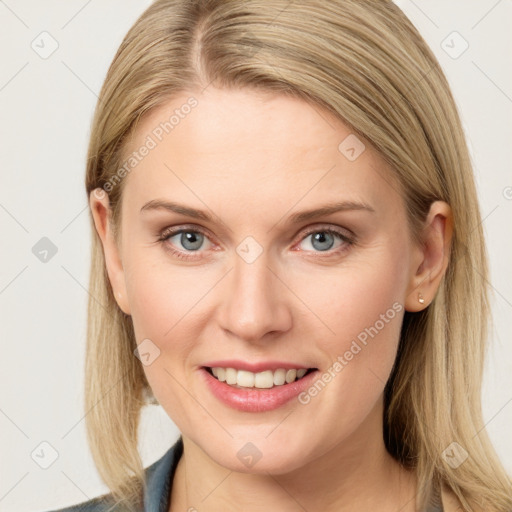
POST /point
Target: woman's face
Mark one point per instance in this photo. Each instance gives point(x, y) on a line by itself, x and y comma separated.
point(250, 282)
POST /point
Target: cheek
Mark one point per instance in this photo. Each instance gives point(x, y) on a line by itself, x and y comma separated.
point(166, 308)
point(356, 295)
point(164, 298)
point(361, 304)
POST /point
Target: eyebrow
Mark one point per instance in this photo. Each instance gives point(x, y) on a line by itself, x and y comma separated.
point(328, 209)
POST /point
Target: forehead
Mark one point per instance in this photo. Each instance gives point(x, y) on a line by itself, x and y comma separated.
point(252, 146)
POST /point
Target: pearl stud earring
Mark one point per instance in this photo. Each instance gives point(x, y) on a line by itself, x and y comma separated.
point(421, 300)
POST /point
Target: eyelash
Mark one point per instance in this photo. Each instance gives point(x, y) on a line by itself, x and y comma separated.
point(170, 232)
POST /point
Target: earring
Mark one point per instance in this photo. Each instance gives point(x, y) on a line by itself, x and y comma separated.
point(421, 300)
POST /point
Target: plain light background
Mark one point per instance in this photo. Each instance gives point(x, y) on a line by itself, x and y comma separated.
point(46, 106)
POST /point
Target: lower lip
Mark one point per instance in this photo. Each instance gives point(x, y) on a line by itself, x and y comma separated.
point(255, 399)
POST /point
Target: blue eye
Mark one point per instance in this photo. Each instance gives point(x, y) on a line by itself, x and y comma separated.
point(323, 240)
point(190, 240)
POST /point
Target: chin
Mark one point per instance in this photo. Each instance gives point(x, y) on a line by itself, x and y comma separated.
point(256, 453)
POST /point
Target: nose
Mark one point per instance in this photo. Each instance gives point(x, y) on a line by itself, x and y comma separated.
point(254, 307)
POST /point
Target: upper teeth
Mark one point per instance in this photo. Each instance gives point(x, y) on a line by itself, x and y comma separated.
point(265, 379)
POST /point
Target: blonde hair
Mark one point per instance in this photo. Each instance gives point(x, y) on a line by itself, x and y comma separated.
point(366, 63)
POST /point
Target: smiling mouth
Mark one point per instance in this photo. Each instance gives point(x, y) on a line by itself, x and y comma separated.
point(267, 379)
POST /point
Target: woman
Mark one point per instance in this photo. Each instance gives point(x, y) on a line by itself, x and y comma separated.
point(288, 257)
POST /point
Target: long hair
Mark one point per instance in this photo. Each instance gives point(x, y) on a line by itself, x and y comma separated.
point(363, 61)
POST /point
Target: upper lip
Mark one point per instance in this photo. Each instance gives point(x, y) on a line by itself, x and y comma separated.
point(255, 367)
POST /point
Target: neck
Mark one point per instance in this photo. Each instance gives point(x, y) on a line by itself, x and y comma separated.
point(358, 474)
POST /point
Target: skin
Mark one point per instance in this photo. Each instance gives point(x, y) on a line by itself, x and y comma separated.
point(251, 160)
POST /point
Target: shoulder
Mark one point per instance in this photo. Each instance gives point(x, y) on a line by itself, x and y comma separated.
point(158, 475)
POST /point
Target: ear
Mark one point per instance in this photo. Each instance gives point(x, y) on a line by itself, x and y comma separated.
point(430, 258)
point(101, 212)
